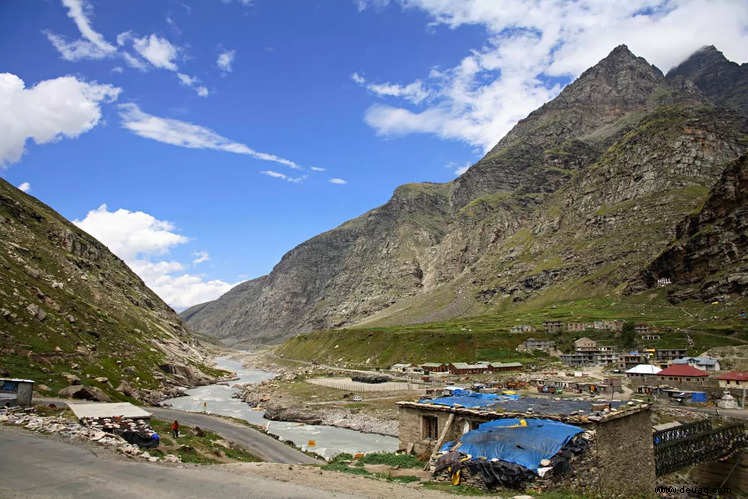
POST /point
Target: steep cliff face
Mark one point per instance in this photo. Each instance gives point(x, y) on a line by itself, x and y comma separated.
point(69, 306)
point(709, 256)
point(723, 81)
point(577, 198)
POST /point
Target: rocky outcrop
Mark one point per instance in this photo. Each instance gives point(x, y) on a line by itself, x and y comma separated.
point(82, 392)
point(575, 200)
point(709, 256)
point(723, 81)
point(73, 313)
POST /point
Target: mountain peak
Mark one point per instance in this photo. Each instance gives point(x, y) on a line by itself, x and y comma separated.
point(723, 81)
point(622, 78)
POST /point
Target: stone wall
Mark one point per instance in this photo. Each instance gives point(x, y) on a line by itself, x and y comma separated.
point(620, 462)
point(625, 456)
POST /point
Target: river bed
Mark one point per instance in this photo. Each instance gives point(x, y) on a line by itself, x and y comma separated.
point(328, 440)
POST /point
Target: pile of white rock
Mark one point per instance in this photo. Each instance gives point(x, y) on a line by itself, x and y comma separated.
point(63, 427)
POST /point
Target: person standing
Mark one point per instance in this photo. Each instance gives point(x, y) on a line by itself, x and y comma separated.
point(175, 429)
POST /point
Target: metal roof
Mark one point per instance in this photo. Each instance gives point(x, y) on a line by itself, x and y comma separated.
point(108, 410)
point(644, 369)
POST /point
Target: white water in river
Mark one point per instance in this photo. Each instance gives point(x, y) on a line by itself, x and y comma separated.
point(217, 399)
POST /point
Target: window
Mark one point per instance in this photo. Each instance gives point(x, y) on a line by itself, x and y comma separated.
point(430, 427)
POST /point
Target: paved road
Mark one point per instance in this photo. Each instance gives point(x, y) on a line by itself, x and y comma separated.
point(259, 444)
point(38, 466)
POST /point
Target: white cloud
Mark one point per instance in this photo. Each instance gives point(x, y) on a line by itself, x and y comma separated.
point(283, 176)
point(25, 187)
point(317, 169)
point(184, 134)
point(130, 234)
point(478, 100)
point(193, 83)
point(92, 45)
point(158, 51)
point(138, 238)
point(225, 60)
point(200, 257)
point(414, 92)
point(50, 110)
point(338, 181)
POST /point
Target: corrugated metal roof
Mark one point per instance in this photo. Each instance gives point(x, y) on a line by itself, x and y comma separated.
point(644, 369)
point(734, 376)
point(682, 370)
point(108, 410)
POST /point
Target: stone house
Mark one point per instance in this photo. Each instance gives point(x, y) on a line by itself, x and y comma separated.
point(533, 344)
point(522, 328)
point(663, 355)
point(553, 326)
point(622, 456)
point(585, 345)
point(496, 367)
point(576, 327)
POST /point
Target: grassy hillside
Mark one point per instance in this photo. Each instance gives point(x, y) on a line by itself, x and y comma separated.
point(487, 337)
point(68, 305)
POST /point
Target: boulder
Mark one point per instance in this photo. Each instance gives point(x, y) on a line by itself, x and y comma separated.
point(72, 379)
point(82, 392)
point(126, 388)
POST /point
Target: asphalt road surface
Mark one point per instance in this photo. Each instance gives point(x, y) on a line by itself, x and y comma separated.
point(39, 466)
point(261, 445)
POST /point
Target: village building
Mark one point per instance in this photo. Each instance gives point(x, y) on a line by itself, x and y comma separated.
point(704, 363)
point(632, 359)
point(606, 325)
point(553, 326)
point(641, 329)
point(15, 391)
point(733, 379)
point(576, 327)
point(589, 352)
point(434, 367)
point(621, 459)
point(532, 344)
point(643, 371)
point(682, 376)
point(496, 367)
point(664, 355)
point(585, 345)
point(735, 382)
point(522, 328)
point(650, 336)
point(465, 368)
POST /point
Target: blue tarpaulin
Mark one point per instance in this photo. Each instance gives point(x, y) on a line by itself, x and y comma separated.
point(698, 397)
point(467, 398)
point(506, 439)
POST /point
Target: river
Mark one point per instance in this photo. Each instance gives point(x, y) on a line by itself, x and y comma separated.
point(328, 440)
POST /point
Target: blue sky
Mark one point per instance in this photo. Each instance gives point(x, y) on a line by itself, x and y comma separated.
point(220, 134)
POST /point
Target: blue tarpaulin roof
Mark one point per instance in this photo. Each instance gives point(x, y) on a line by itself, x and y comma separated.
point(506, 439)
point(467, 398)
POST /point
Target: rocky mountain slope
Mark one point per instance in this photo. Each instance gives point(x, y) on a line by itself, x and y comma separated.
point(709, 257)
point(575, 200)
point(73, 313)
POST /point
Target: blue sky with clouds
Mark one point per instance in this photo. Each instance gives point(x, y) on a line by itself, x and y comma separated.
point(202, 140)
